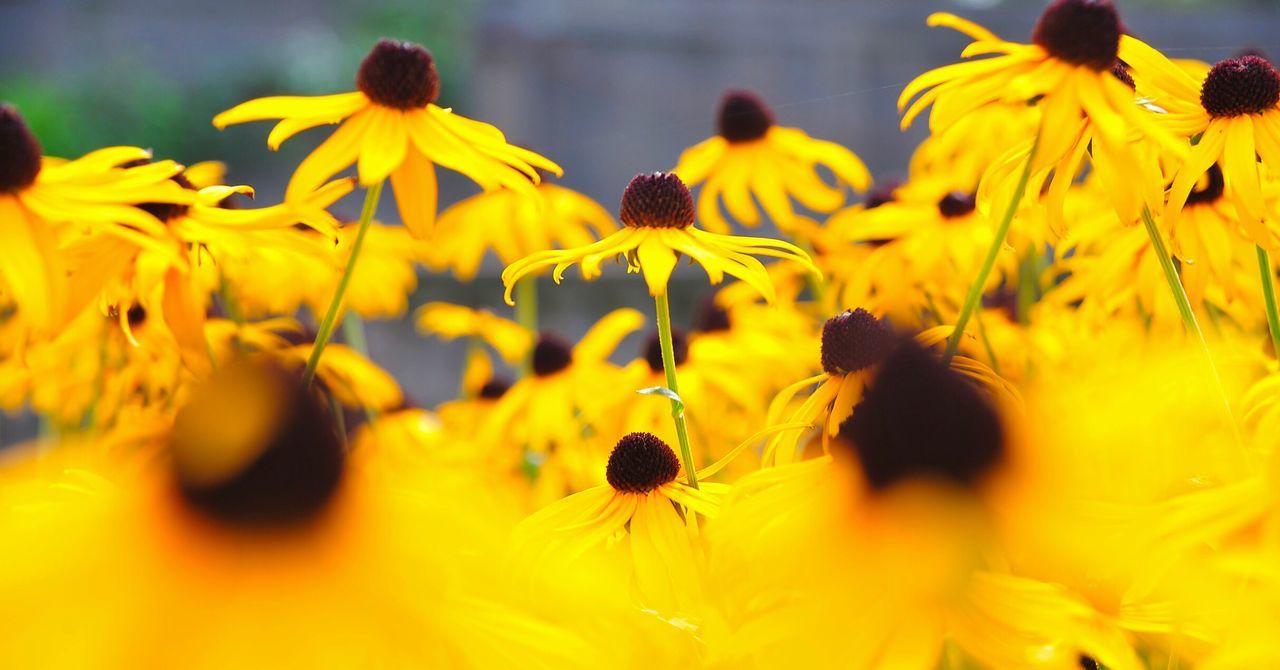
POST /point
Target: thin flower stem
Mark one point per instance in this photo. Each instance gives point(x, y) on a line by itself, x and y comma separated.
point(974, 299)
point(1268, 276)
point(527, 316)
point(353, 334)
point(335, 305)
point(669, 367)
point(1184, 308)
point(1171, 276)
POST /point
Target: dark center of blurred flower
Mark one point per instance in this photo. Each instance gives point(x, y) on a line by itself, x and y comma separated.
point(641, 463)
point(917, 418)
point(656, 200)
point(1087, 663)
point(880, 195)
point(1211, 192)
point(137, 315)
point(743, 116)
point(20, 152)
point(957, 204)
point(1121, 71)
point(854, 340)
point(652, 349)
point(551, 354)
point(256, 446)
point(494, 389)
point(711, 317)
point(397, 74)
point(1080, 32)
point(165, 211)
point(1238, 86)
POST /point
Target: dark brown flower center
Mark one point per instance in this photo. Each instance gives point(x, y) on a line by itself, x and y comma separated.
point(20, 152)
point(656, 200)
point(1212, 190)
point(494, 389)
point(853, 341)
point(401, 75)
point(957, 204)
point(711, 317)
point(290, 463)
point(919, 418)
point(1121, 71)
point(165, 211)
point(641, 463)
point(743, 116)
point(1080, 32)
point(551, 354)
point(882, 194)
point(652, 349)
point(1238, 86)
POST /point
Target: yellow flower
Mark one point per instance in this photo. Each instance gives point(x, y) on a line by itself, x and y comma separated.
point(514, 225)
point(657, 212)
point(1068, 73)
point(660, 561)
point(381, 282)
point(724, 393)
point(913, 248)
point(571, 389)
point(392, 129)
point(162, 275)
point(41, 197)
point(853, 343)
point(449, 321)
point(1233, 116)
point(250, 537)
point(753, 156)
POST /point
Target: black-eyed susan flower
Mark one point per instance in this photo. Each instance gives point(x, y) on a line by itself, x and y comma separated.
point(391, 128)
point(162, 276)
point(918, 245)
point(571, 390)
point(513, 225)
point(852, 344)
point(637, 518)
point(753, 156)
point(657, 213)
point(1233, 115)
point(1067, 72)
point(41, 197)
point(252, 540)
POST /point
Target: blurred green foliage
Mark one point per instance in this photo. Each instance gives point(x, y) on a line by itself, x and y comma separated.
point(119, 98)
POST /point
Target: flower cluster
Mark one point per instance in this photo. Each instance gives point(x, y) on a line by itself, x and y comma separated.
point(1018, 410)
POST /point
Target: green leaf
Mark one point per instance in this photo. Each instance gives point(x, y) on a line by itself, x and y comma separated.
point(676, 403)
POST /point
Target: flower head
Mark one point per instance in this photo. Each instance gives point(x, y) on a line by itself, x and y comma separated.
point(392, 129)
point(753, 156)
point(658, 216)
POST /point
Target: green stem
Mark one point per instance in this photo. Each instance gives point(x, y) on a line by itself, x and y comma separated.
point(974, 298)
point(1171, 276)
point(527, 316)
point(1184, 307)
point(354, 335)
point(669, 367)
point(335, 305)
point(1268, 275)
point(986, 343)
point(1028, 286)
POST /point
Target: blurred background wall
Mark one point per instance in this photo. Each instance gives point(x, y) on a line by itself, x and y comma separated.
point(608, 88)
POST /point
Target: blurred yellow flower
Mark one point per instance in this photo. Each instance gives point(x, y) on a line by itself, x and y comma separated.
point(513, 225)
point(751, 156)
